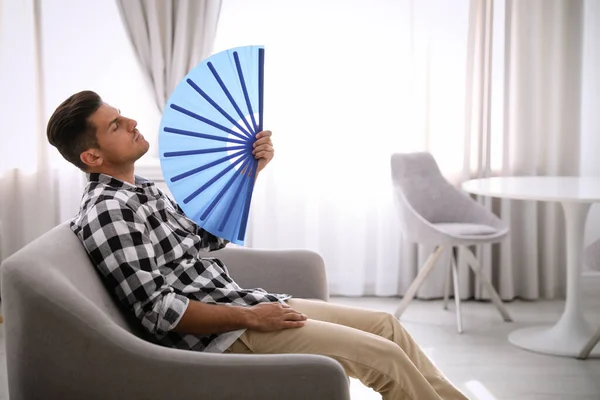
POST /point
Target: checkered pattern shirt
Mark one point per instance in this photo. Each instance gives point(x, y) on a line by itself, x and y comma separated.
point(148, 253)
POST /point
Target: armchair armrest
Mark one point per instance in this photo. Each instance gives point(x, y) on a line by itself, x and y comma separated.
point(300, 273)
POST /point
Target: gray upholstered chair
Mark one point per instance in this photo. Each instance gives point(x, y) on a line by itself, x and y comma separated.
point(435, 213)
point(591, 258)
point(66, 338)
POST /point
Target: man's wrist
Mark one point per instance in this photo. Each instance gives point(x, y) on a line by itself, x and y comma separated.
point(249, 317)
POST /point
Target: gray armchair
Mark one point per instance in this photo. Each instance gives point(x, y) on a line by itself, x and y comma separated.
point(66, 338)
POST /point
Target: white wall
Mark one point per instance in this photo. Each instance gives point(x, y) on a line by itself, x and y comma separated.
point(86, 47)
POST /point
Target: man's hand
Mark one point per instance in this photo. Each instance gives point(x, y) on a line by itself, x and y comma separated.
point(263, 149)
point(268, 317)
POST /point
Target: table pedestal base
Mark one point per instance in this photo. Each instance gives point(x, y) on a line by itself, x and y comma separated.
point(566, 338)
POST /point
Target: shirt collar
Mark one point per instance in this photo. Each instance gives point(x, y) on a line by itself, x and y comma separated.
point(117, 183)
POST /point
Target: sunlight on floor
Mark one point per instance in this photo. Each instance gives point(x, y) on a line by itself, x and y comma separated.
point(428, 352)
point(358, 391)
point(479, 391)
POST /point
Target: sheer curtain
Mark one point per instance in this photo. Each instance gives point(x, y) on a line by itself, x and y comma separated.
point(590, 102)
point(489, 87)
point(523, 118)
point(50, 50)
point(34, 194)
point(347, 84)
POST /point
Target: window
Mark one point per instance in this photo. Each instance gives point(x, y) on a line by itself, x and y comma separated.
point(85, 46)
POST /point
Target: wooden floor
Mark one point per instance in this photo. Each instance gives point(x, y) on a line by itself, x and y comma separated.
point(480, 361)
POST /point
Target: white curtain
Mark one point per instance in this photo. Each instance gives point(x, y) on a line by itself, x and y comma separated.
point(35, 194)
point(346, 85)
point(170, 37)
point(38, 189)
point(489, 87)
point(590, 103)
point(523, 118)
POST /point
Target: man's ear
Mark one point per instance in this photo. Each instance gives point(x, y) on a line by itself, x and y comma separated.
point(91, 157)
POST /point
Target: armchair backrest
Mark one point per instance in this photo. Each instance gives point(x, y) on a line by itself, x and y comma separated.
point(424, 198)
point(57, 259)
point(419, 179)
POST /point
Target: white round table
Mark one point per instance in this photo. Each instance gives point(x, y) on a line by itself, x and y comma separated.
point(576, 194)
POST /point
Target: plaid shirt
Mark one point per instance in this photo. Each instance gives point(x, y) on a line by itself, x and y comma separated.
point(148, 252)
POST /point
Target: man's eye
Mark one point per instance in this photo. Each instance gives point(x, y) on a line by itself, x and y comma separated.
point(116, 126)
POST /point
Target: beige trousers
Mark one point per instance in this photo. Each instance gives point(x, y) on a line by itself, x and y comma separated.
point(370, 345)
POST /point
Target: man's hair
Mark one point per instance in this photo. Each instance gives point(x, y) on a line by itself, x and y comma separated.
point(69, 128)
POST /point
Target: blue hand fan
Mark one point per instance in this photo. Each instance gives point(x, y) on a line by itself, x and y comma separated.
point(206, 135)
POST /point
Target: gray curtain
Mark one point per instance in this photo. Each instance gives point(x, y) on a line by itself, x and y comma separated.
point(170, 37)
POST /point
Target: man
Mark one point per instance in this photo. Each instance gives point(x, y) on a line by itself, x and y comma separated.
point(148, 252)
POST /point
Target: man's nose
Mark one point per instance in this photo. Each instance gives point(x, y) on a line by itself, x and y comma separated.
point(132, 124)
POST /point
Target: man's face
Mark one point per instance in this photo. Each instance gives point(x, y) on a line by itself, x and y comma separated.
point(120, 143)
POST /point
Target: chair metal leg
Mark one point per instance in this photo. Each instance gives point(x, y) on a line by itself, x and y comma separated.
point(447, 280)
point(474, 264)
point(585, 352)
point(456, 293)
point(418, 282)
